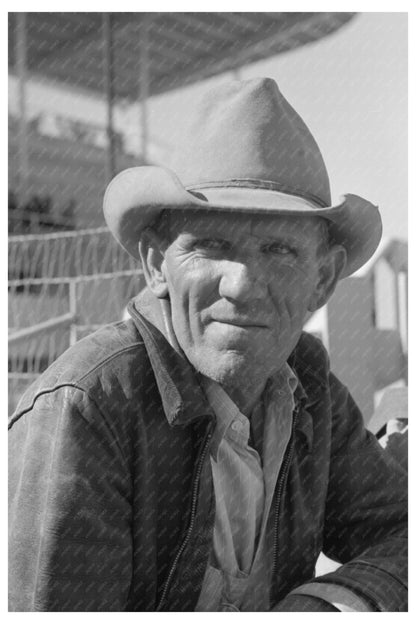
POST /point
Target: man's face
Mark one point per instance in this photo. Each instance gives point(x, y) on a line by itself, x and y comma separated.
point(240, 286)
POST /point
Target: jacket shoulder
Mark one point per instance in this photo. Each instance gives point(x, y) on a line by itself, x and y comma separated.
point(111, 348)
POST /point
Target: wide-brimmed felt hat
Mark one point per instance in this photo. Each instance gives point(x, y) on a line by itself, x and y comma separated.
point(245, 150)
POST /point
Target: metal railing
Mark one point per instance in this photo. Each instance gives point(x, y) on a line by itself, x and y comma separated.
point(60, 322)
point(47, 314)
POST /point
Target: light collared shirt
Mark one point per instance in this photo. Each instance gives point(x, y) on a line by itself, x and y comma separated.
point(238, 576)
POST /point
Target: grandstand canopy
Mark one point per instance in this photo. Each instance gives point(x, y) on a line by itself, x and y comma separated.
point(179, 48)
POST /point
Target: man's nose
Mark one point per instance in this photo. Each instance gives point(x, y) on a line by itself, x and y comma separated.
point(243, 281)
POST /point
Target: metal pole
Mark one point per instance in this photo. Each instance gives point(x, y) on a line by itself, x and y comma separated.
point(144, 81)
point(372, 281)
point(406, 303)
point(23, 147)
point(397, 301)
point(60, 322)
point(73, 311)
point(109, 92)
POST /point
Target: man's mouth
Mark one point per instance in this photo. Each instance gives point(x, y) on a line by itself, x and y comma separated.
point(241, 322)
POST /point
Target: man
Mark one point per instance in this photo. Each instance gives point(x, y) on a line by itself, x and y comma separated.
point(199, 456)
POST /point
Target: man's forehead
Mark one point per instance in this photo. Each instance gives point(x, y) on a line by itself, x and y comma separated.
point(227, 221)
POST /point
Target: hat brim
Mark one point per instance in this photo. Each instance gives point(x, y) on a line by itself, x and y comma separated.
point(136, 196)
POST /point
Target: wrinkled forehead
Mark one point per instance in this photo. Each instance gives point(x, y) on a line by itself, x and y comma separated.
point(242, 223)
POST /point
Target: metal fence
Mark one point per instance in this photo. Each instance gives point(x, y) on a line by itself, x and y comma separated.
point(62, 287)
point(65, 254)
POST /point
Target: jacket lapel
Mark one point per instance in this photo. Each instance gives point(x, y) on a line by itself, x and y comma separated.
point(182, 396)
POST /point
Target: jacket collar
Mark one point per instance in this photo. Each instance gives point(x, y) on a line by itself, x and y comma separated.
point(306, 360)
point(182, 396)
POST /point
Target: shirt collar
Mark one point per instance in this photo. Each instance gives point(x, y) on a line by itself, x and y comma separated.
point(224, 409)
point(279, 388)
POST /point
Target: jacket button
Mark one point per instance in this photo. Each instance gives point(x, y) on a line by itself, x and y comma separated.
point(236, 425)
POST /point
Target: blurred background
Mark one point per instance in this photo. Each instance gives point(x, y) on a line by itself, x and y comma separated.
point(91, 94)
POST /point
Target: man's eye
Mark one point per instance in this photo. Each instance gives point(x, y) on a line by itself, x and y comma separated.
point(280, 250)
point(213, 244)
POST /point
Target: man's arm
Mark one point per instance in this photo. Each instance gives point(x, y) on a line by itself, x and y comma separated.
point(70, 538)
point(366, 518)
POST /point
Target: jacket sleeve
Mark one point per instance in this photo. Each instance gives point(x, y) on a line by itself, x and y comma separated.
point(366, 511)
point(70, 516)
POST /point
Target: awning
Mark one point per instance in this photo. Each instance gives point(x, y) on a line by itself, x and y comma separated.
point(181, 48)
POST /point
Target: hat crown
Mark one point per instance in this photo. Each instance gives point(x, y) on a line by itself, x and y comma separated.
point(247, 130)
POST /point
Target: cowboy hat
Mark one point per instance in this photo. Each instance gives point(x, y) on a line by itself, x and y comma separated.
point(245, 150)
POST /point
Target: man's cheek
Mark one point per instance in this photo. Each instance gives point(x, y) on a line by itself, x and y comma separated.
point(191, 319)
point(283, 304)
point(290, 312)
point(292, 292)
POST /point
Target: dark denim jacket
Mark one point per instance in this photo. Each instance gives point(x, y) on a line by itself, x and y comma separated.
point(111, 497)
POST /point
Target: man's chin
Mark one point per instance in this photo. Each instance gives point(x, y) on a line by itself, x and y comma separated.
point(224, 367)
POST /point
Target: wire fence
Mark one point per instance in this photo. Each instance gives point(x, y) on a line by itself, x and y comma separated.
point(84, 273)
point(65, 254)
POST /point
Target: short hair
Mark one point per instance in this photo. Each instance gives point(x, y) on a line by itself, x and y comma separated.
point(324, 244)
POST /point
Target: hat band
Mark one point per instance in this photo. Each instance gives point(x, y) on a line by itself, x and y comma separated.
point(267, 185)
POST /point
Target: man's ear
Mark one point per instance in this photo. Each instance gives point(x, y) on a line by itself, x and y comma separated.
point(331, 265)
point(152, 254)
